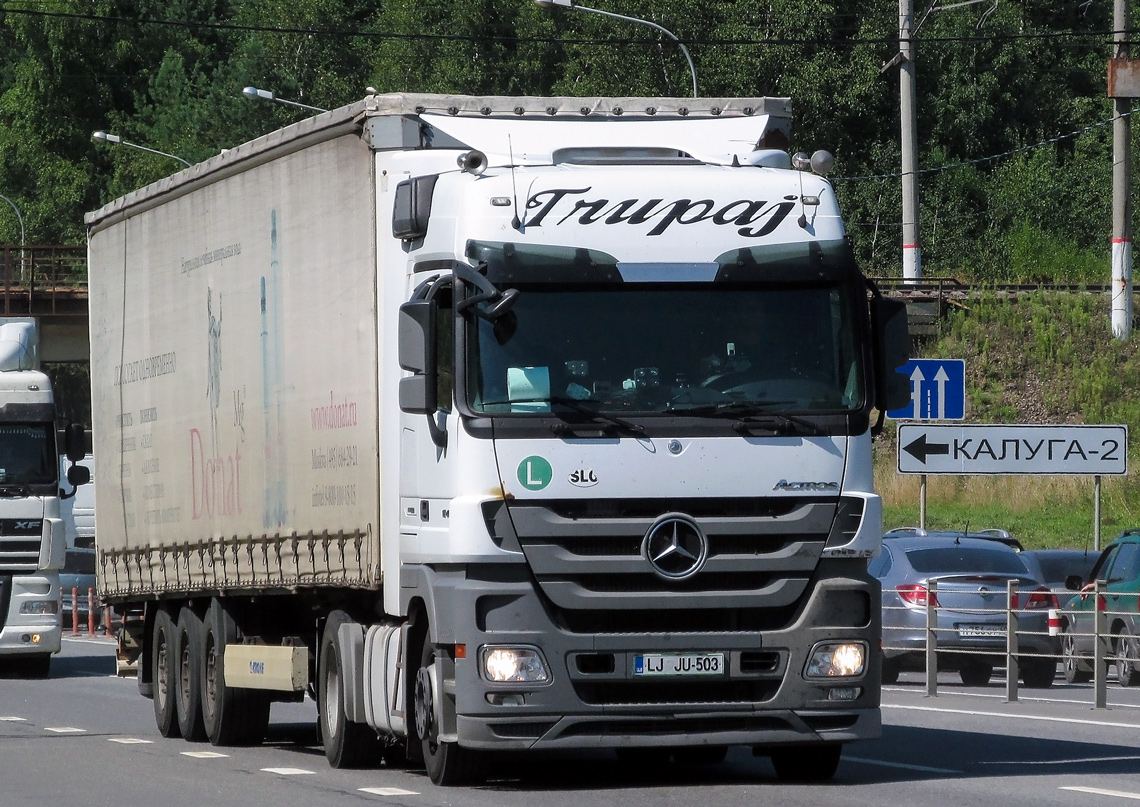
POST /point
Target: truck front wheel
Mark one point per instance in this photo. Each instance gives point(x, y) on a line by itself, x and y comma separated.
point(347, 744)
point(163, 647)
point(231, 716)
point(446, 762)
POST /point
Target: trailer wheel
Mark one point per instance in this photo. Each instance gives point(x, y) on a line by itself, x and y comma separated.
point(446, 762)
point(163, 665)
point(231, 716)
point(347, 744)
point(188, 680)
point(807, 763)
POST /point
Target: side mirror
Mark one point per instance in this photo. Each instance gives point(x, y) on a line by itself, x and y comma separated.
point(1074, 582)
point(74, 442)
point(78, 475)
point(892, 350)
point(416, 335)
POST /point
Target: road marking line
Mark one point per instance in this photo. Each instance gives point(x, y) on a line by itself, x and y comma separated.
point(968, 694)
point(65, 730)
point(203, 754)
point(13, 720)
point(129, 740)
point(287, 771)
point(1097, 791)
point(902, 765)
point(387, 791)
point(1101, 723)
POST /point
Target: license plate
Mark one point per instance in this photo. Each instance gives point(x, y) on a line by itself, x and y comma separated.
point(979, 631)
point(679, 664)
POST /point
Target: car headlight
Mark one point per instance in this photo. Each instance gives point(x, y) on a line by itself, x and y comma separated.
point(40, 607)
point(837, 660)
point(504, 665)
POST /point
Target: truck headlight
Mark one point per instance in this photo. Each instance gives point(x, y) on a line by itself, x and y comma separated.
point(837, 660)
point(39, 607)
point(504, 665)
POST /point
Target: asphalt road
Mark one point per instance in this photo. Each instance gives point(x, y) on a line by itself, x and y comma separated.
point(84, 737)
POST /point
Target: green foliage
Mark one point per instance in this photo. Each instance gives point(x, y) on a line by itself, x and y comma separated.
point(1043, 357)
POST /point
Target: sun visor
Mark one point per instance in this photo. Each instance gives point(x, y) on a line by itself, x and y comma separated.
point(533, 142)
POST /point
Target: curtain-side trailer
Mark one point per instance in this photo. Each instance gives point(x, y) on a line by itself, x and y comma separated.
point(497, 424)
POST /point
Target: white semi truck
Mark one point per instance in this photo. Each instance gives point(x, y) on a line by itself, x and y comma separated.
point(32, 534)
point(497, 424)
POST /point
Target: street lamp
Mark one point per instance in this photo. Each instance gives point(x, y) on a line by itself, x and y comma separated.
point(573, 4)
point(255, 94)
point(23, 239)
point(107, 137)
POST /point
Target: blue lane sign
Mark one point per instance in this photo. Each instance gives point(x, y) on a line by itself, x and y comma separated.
point(937, 390)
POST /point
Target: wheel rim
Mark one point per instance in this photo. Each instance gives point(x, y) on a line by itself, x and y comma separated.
point(162, 671)
point(332, 694)
point(184, 677)
point(425, 706)
point(1125, 656)
point(209, 702)
point(1068, 651)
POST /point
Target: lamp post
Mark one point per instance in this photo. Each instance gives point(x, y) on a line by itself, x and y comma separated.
point(255, 94)
point(23, 239)
point(573, 4)
point(107, 137)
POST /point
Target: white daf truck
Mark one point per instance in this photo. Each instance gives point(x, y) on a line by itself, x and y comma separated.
point(497, 424)
point(32, 534)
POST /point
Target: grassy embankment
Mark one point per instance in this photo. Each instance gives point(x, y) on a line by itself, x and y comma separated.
point(1039, 358)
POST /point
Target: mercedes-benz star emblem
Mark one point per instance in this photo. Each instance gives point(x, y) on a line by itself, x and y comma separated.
point(675, 547)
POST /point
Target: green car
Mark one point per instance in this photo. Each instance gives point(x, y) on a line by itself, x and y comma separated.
point(1119, 567)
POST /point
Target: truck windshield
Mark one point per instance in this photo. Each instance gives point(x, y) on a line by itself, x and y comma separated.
point(670, 348)
point(27, 454)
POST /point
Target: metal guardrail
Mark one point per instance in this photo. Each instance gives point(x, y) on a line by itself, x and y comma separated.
point(43, 280)
point(1103, 656)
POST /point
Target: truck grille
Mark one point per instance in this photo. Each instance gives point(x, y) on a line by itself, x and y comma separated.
point(590, 559)
point(20, 541)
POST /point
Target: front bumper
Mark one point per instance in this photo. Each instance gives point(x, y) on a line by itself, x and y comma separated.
point(30, 634)
point(593, 698)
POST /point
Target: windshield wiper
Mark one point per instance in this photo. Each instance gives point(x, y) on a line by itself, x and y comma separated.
point(12, 490)
point(755, 414)
point(602, 419)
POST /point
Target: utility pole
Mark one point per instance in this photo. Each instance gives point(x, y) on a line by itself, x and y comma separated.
point(1122, 86)
point(911, 246)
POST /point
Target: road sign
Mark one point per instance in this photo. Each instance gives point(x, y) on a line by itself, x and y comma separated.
point(928, 448)
point(937, 390)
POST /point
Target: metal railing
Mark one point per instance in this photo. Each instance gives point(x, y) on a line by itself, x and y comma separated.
point(43, 279)
point(1105, 649)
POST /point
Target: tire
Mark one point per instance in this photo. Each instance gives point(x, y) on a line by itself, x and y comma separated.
point(164, 668)
point(1038, 673)
point(230, 716)
point(37, 666)
point(807, 763)
point(1127, 658)
point(188, 676)
point(975, 673)
point(1074, 668)
point(447, 763)
point(891, 670)
point(347, 744)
